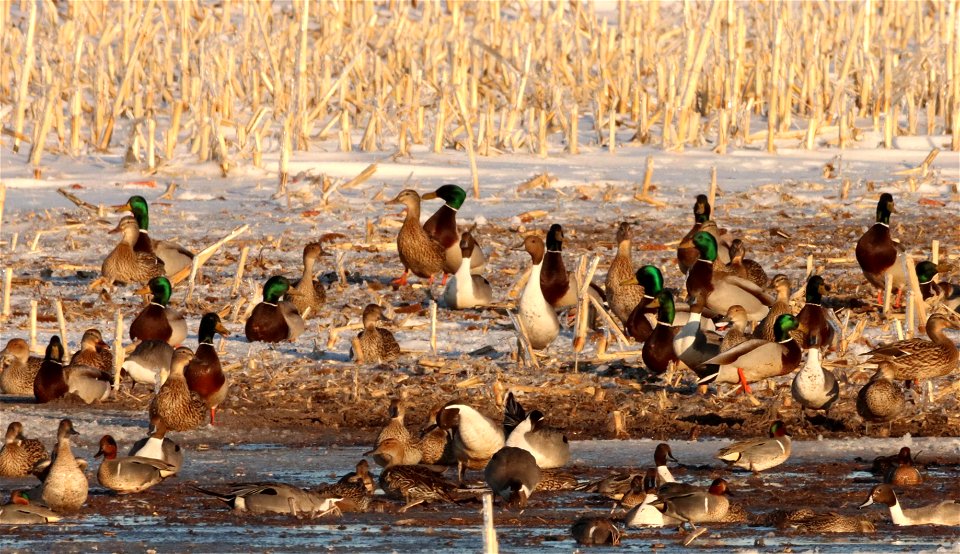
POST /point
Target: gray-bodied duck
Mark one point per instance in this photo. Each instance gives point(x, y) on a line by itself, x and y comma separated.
point(534, 310)
point(158, 321)
point(94, 352)
point(815, 388)
point(513, 474)
point(18, 369)
point(757, 359)
point(65, 487)
point(946, 512)
point(175, 257)
point(19, 454)
point(743, 267)
point(759, 454)
point(699, 506)
point(419, 252)
point(308, 292)
point(687, 253)
point(764, 329)
point(149, 363)
point(126, 265)
point(880, 400)
point(918, 359)
point(442, 227)
point(156, 445)
point(377, 345)
point(550, 448)
point(204, 374)
point(21, 512)
point(274, 498)
point(722, 290)
point(466, 290)
point(180, 408)
point(54, 381)
point(128, 474)
point(273, 319)
point(947, 293)
point(623, 295)
point(815, 326)
point(877, 253)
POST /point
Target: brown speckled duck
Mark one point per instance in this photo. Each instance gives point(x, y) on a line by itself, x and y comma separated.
point(744, 267)
point(20, 454)
point(175, 258)
point(376, 345)
point(308, 292)
point(94, 352)
point(395, 445)
point(203, 374)
point(622, 294)
point(764, 329)
point(65, 487)
point(419, 252)
point(124, 264)
point(180, 408)
point(881, 400)
point(54, 381)
point(18, 369)
point(918, 359)
point(274, 320)
point(158, 321)
point(877, 253)
point(442, 227)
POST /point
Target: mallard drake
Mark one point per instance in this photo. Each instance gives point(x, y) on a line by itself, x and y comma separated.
point(442, 227)
point(534, 310)
point(203, 374)
point(947, 293)
point(877, 253)
point(277, 498)
point(466, 290)
point(308, 292)
point(881, 400)
point(595, 531)
point(157, 446)
point(20, 512)
point(513, 474)
point(639, 324)
point(18, 369)
point(158, 321)
point(377, 345)
point(759, 454)
point(94, 352)
point(918, 359)
point(65, 487)
point(764, 329)
point(419, 252)
point(758, 359)
point(736, 316)
point(149, 363)
point(722, 290)
point(395, 445)
point(175, 257)
point(124, 264)
point(550, 448)
point(559, 288)
point(658, 353)
point(815, 327)
point(180, 408)
point(903, 473)
point(946, 512)
point(813, 387)
point(416, 485)
point(128, 474)
point(694, 346)
point(746, 268)
point(19, 454)
point(274, 320)
point(687, 253)
point(54, 381)
point(699, 506)
point(623, 295)
point(474, 436)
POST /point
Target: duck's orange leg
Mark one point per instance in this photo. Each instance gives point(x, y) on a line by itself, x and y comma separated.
point(213, 416)
point(743, 381)
point(401, 280)
point(443, 283)
point(880, 297)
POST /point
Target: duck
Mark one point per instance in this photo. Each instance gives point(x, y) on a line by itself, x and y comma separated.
point(18, 369)
point(157, 446)
point(308, 293)
point(808, 521)
point(639, 324)
point(175, 258)
point(694, 346)
point(550, 448)
point(658, 353)
point(21, 512)
point(377, 345)
point(513, 474)
point(815, 327)
point(276, 498)
point(442, 227)
point(203, 374)
point(623, 295)
point(757, 359)
point(645, 513)
point(883, 465)
point(662, 474)
point(54, 381)
point(641, 486)
point(918, 359)
point(758, 455)
point(274, 320)
point(880, 400)
point(419, 252)
point(395, 445)
point(94, 352)
point(128, 474)
point(552, 480)
point(947, 293)
point(149, 363)
point(736, 335)
point(466, 290)
point(180, 408)
point(764, 329)
point(158, 321)
point(722, 290)
point(475, 437)
point(745, 268)
point(559, 288)
point(353, 492)
point(534, 310)
point(595, 531)
point(415, 485)
point(877, 253)
point(699, 506)
point(19, 454)
point(124, 264)
point(903, 473)
point(435, 446)
point(813, 387)
point(687, 253)
point(946, 512)
point(65, 487)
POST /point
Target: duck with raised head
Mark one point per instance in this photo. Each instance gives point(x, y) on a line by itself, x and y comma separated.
point(175, 257)
point(128, 474)
point(19, 454)
point(156, 445)
point(273, 319)
point(18, 369)
point(815, 388)
point(947, 293)
point(442, 227)
point(550, 448)
point(744, 267)
point(946, 512)
point(918, 359)
point(880, 400)
point(687, 253)
point(149, 363)
point(534, 310)
point(622, 294)
point(94, 352)
point(722, 290)
point(737, 334)
point(781, 305)
point(595, 531)
point(54, 381)
point(903, 473)
point(204, 374)
point(65, 487)
point(180, 408)
point(466, 290)
point(419, 252)
point(757, 359)
point(377, 345)
point(308, 292)
point(126, 265)
point(658, 353)
point(273, 498)
point(757, 455)
point(815, 326)
point(645, 512)
point(21, 512)
point(395, 445)
point(158, 321)
point(513, 474)
point(877, 253)
point(559, 288)
point(474, 436)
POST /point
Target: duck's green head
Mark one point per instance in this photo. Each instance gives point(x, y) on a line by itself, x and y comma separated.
point(816, 288)
point(650, 279)
point(926, 271)
point(706, 246)
point(778, 429)
point(782, 327)
point(555, 238)
point(453, 195)
point(701, 209)
point(210, 324)
point(160, 287)
point(275, 288)
point(138, 206)
point(667, 310)
point(885, 208)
